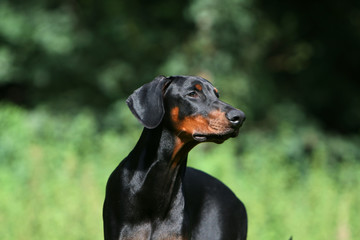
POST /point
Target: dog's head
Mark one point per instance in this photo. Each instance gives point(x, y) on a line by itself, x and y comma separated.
point(188, 105)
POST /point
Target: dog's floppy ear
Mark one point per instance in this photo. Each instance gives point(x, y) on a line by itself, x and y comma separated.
point(146, 102)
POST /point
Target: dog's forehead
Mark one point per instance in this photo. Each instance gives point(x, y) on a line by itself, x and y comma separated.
point(189, 82)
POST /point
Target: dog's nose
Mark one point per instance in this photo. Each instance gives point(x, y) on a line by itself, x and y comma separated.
point(236, 117)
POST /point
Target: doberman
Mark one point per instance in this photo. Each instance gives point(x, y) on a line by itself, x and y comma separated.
point(152, 194)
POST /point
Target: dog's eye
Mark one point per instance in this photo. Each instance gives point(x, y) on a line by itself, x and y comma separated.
point(193, 94)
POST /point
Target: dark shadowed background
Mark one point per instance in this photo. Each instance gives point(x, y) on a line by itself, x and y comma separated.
point(66, 68)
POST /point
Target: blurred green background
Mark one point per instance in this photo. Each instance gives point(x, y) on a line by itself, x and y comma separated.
point(66, 68)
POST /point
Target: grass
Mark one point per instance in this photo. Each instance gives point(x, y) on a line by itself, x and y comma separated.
point(295, 181)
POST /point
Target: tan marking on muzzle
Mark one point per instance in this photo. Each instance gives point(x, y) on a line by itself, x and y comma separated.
point(215, 123)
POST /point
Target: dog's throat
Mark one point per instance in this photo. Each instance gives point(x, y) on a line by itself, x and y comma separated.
point(180, 151)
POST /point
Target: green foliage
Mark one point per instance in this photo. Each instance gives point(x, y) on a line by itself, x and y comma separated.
point(86, 53)
point(67, 53)
point(292, 68)
point(293, 179)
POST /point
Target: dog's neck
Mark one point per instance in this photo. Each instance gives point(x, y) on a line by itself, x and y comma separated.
point(158, 164)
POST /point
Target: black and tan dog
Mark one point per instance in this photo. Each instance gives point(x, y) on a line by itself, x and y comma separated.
point(152, 194)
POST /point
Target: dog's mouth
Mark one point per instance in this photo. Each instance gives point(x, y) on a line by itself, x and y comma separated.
point(217, 138)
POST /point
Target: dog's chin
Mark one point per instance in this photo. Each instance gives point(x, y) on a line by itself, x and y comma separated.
point(216, 138)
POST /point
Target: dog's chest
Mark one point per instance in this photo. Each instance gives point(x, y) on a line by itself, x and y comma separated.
point(146, 231)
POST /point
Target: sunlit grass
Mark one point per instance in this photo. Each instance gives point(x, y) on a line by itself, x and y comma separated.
point(53, 171)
